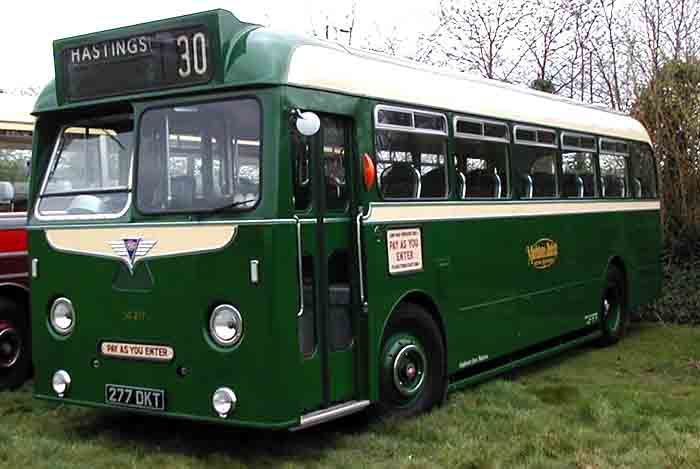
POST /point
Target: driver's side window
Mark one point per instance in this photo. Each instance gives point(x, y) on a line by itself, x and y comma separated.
point(333, 142)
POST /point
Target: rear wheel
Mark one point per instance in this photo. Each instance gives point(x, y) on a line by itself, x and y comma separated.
point(15, 352)
point(412, 367)
point(613, 311)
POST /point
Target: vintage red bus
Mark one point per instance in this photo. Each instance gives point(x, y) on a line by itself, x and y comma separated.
point(16, 127)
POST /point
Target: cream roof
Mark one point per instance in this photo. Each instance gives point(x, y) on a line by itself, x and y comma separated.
point(16, 110)
point(372, 75)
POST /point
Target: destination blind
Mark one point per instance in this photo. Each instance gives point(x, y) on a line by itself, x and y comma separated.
point(143, 62)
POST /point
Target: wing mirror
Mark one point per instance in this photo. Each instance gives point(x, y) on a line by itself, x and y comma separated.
point(307, 123)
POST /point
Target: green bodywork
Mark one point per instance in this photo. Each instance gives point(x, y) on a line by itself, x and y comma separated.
point(476, 280)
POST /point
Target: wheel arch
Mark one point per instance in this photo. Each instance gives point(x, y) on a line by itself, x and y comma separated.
point(424, 300)
point(16, 292)
point(619, 264)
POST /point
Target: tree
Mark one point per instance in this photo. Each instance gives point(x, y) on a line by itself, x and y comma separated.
point(482, 35)
point(543, 85)
point(669, 106)
point(577, 76)
point(334, 25)
point(547, 33)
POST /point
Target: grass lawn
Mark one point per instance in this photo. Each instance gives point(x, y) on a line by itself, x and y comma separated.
point(633, 405)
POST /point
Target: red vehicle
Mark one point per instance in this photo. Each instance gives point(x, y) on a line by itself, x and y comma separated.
point(16, 126)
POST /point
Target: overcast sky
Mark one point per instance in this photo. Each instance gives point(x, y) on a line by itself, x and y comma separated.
point(28, 27)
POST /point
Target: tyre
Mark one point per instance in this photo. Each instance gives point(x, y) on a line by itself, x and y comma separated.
point(15, 349)
point(613, 311)
point(412, 363)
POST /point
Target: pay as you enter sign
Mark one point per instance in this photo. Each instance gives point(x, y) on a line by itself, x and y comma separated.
point(404, 250)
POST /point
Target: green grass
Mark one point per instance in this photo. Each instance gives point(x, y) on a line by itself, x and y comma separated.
point(634, 405)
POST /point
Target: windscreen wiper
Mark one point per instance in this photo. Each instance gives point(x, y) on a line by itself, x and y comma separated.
point(228, 206)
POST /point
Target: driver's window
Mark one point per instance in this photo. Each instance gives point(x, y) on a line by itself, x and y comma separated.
point(333, 140)
point(334, 151)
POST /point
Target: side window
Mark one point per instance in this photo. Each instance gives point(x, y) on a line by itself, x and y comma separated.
point(613, 161)
point(578, 174)
point(535, 164)
point(481, 159)
point(411, 152)
point(643, 172)
point(578, 166)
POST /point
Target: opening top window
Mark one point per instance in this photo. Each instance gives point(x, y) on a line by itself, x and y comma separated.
point(199, 158)
point(411, 153)
point(90, 172)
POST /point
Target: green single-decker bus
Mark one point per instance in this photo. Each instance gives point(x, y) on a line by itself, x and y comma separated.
point(233, 224)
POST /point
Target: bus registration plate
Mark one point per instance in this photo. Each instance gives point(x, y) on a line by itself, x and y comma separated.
point(138, 398)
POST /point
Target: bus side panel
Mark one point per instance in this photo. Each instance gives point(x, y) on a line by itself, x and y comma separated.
point(494, 296)
point(384, 290)
point(644, 269)
point(483, 322)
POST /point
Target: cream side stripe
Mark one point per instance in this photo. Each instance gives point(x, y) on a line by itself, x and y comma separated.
point(169, 240)
point(426, 212)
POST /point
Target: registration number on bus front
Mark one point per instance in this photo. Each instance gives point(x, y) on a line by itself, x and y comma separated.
point(138, 398)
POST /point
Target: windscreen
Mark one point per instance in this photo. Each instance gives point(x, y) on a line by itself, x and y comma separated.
point(200, 158)
point(90, 171)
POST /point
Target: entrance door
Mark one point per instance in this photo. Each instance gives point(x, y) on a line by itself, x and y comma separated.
point(322, 198)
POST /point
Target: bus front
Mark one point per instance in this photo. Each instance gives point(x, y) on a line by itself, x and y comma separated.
point(155, 242)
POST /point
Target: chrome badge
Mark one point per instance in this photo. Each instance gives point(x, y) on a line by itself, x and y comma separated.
point(130, 250)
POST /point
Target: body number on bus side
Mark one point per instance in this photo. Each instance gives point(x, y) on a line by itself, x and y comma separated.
point(591, 319)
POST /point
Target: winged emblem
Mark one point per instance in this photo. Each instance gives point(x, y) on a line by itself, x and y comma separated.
point(130, 250)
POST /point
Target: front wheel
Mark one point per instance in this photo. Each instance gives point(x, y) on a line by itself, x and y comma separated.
point(412, 367)
point(613, 311)
point(15, 352)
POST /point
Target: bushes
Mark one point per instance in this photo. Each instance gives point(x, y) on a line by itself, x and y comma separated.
point(680, 295)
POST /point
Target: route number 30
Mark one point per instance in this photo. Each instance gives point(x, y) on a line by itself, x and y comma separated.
point(194, 55)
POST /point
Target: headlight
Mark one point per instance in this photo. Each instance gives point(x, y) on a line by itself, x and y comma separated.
point(224, 402)
point(226, 325)
point(61, 382)
point(62, 316)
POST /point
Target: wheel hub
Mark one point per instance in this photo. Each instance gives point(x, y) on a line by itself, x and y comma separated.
point(10, 345)
point(409, 369)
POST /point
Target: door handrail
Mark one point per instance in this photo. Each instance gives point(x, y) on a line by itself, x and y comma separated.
point(300, 270)
point(358, 225)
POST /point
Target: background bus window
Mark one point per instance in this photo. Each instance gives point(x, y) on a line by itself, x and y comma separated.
point(482, 170)
point(613, 171)
point(411, 165)
point(643, 171)
point(535, 170)
point(578, 174)
point(15, 153)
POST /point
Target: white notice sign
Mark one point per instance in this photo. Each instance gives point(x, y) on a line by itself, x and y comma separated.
point(404, 250)
point(156, 353)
